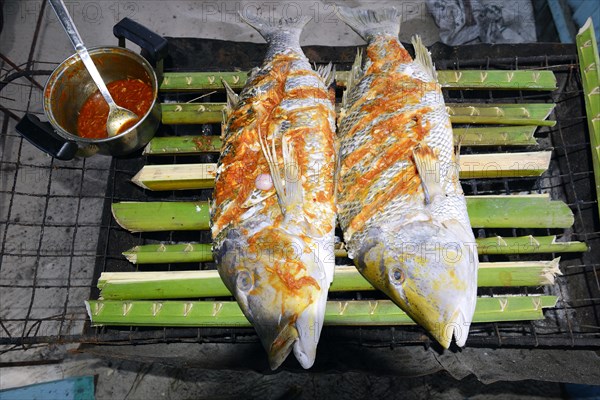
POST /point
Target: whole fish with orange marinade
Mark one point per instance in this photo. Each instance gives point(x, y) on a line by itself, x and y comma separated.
point(273, 216)
point(400, 202)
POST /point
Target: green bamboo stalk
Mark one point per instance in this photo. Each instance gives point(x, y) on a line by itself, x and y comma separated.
point(504, 165)
point(192, 113)
point(171, 253)
point(171, 145)
point(505, 114)
point(493, 165)
point(589, 64)
point(182, 253)
point(468, 79)
point(527, 245)
point(176, 177)
point(227, 314)
point(495, 135)
point(161, 285)
point(499, 80)
point(536, 111)
point(528, 211)
point(471, 136)
point(198, 252)
point(182, 81)
point(207, 283)
point(162, 216)
point(523, 273)
point(502, 114)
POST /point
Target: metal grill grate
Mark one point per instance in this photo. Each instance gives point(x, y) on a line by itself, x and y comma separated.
point(48, 228)
point(575, 322)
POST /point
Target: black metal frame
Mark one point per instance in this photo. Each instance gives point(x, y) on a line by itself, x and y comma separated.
point(575, 323)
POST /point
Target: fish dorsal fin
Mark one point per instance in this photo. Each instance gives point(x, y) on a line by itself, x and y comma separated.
point(428, 166)
point(289, 196)
point(371, 23)
point(232, 98)
point(423, 57)
point(354, 76)
point(327, 73)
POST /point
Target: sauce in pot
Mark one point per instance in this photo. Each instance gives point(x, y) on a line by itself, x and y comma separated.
point(133, 94)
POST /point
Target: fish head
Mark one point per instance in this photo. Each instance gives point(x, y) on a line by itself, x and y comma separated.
point(281, 287)
point(430, 271)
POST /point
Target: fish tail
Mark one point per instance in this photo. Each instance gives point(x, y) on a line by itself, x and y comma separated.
point(369, 23)
point(271, 29)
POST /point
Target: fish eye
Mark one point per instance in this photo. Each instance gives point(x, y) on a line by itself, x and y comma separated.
point(397, 276)
point(245, 281)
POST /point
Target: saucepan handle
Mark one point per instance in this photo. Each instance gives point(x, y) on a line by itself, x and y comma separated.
point(42, 135)
point(154, 46)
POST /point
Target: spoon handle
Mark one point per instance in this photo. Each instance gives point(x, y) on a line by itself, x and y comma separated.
point(67, 22)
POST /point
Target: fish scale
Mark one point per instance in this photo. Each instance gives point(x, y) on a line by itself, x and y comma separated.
point(400, 204)
point(439, 138)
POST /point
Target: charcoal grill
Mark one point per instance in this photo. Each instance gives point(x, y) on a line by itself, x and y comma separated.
point(573, 324)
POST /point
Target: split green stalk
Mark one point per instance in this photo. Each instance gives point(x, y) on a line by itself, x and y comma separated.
point(227, 314)
point(170, 253)
point(201, 176)
point(171, 145)
point(192, 113)
point(207, 283)
point(527, 245)
point(468, 79)
point(495, 136)
point(589, 64)
point(501, 114)
point(505, 114)
point(528, 211)
point(471, 136)
point(162, 216)
point(198, 252)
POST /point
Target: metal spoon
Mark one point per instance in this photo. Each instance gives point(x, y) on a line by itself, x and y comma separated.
point(117, 116)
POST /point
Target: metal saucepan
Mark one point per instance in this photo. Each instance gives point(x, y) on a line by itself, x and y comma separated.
point(70, 85)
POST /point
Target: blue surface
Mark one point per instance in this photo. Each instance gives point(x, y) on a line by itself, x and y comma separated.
point(80, 388)
point(583, 9)
point(579, 11)
point(582, 392)
point(560, 20)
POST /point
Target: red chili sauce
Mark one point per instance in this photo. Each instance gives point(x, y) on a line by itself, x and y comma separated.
point(133, 94)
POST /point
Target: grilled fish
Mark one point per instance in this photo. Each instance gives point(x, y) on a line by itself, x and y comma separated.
point(400, 203)
point(273, 215)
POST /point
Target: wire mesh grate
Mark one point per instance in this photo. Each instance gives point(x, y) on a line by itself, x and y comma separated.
point(88, 187)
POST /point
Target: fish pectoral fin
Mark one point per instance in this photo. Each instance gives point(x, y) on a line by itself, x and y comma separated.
point(290, 195)
point(271, 157)
point(257, 196)
point(292, 174)
point(423, 57)
point(428, 166)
